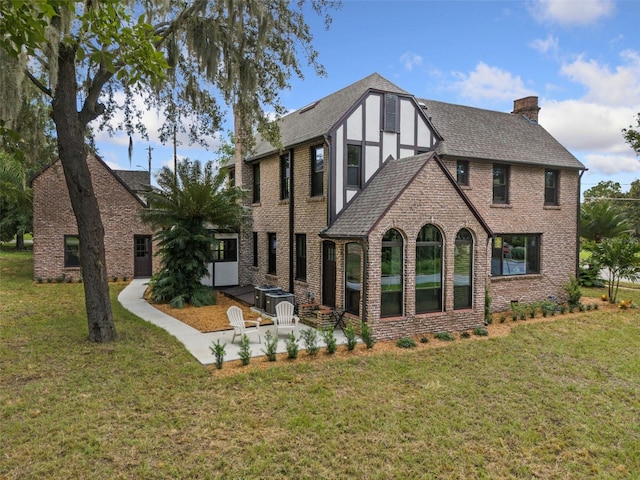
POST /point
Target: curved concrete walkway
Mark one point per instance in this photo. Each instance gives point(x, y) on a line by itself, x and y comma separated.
point(196, 342)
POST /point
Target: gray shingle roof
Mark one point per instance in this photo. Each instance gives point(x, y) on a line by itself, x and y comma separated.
point(366, 209)
point(136, 180)
point(486, 134)
point(305, 124)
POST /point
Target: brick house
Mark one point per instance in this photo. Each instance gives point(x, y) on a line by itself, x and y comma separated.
point(402, 211)
point(128, 242)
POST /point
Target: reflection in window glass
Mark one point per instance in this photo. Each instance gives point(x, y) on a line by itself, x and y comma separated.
point(463, 269)
point(429, 270)
point(392, 263)
point(353, 272)
point(515, 255)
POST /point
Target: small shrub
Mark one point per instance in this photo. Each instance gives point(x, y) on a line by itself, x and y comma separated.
point(588, 307)
point(367, 335)
point(502, 318)
point(465, 334)
point(514, 316)
point(406, 342)
point(79, 279)
point(271, 346)
point(572, 288)
point(571, 308)
point(350, 333)
point(60, 279)
point(49, 280)
point(480, 331)
point(595, 306)
point(444, 336)
point(310, 339)
point(38, 279)
point(68, 280)
point(604, 297)
point(522, 316)
point(245, 352)
point(329, 340)
point(424, 340)
point(624, 304)
point(532, 312)
point(114, 279)
point(125, 279)
point(563, 309)
point(292, 346)
point(581, 307)
point(219, 352)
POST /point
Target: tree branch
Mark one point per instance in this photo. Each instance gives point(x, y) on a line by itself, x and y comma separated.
point(91, 109)
point(38, 84)
point(173, 26)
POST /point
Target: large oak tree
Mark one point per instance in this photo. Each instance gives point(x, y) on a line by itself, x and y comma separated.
point(180, 56)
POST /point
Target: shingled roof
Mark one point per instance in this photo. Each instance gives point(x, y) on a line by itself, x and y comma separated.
point(317, 118)
point(476, 133)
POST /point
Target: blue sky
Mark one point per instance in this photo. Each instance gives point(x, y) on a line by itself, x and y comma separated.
point(580, 57)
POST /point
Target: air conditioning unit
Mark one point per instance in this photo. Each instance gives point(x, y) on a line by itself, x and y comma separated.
point(273, 299)
point(260, 292)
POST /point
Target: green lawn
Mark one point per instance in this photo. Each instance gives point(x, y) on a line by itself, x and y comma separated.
point(552, 400)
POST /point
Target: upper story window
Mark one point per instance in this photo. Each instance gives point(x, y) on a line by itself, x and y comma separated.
point(71, 251)
point(500, 184)
point(551, 181)
point(515, 255)
point(391, 112)
point(317, 169)
point(462, 172)
point(285, 176)
point(256, 183)
point(354, 166)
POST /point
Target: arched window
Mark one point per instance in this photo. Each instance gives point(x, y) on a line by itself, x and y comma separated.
point(353, 277)
point(392, 271)
point(463, 270)
point(429, 270)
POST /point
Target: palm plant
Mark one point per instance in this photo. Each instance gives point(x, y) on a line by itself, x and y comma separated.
point(187, 207)
point(600, 219)
point(620, 257)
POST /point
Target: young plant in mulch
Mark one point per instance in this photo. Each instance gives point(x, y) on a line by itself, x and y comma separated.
point(350, 334)
point(424, 339)
point(310, 339)
point(406, 342)
point(292, 346)
point(219, 352)
point(465, 334)
point(271, 344)
point(245, 352)
point(481, 332)
point(367, 335)
point(444, 336)
point(329, 340)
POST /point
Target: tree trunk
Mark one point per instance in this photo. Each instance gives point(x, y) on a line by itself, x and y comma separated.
point(20, 242)
point(73, 156)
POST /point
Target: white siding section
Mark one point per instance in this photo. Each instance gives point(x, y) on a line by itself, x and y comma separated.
point(373, 104)
point(351, 194)
point(371, 161)
point(424, 134)
point(405, 152)
point(389, 145)
point(354, 125)
point(407, 122)
point(340, 161)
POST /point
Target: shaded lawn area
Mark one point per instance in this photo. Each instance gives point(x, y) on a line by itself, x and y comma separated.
point(552, 400)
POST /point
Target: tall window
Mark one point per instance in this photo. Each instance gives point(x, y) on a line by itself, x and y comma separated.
point(500, 184)
point(429, 270)
point(462, 172)
point(285, 176)
point(71, 251)
point(271, 250)
point(301, 256)
point(463, 270)
point(515, 255)
point(256, 183)
point(225, 250)
point(392, 271)
point(255, 249)
point(551, 178)
point(353, 274)
point(354, 164)
point(317, 169)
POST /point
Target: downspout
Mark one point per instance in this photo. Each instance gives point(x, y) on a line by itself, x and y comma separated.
point(577, 271)
point(291, 220)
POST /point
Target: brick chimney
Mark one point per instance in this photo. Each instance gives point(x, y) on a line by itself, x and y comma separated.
point(528, 107)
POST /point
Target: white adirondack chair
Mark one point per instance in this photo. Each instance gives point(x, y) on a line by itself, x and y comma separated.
point(285, 319)
point(237, 321)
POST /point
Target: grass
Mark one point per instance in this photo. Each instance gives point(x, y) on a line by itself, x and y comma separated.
point(552, 400)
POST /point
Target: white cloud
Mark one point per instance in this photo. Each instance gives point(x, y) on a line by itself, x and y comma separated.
point(490, 83)
point(620, 86)
point(612, 164)
point(547, 45)
point(410, 60)
point(572, 12)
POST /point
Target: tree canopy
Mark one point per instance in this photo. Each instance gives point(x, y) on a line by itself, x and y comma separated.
point(632, 135)
point(185, 58)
